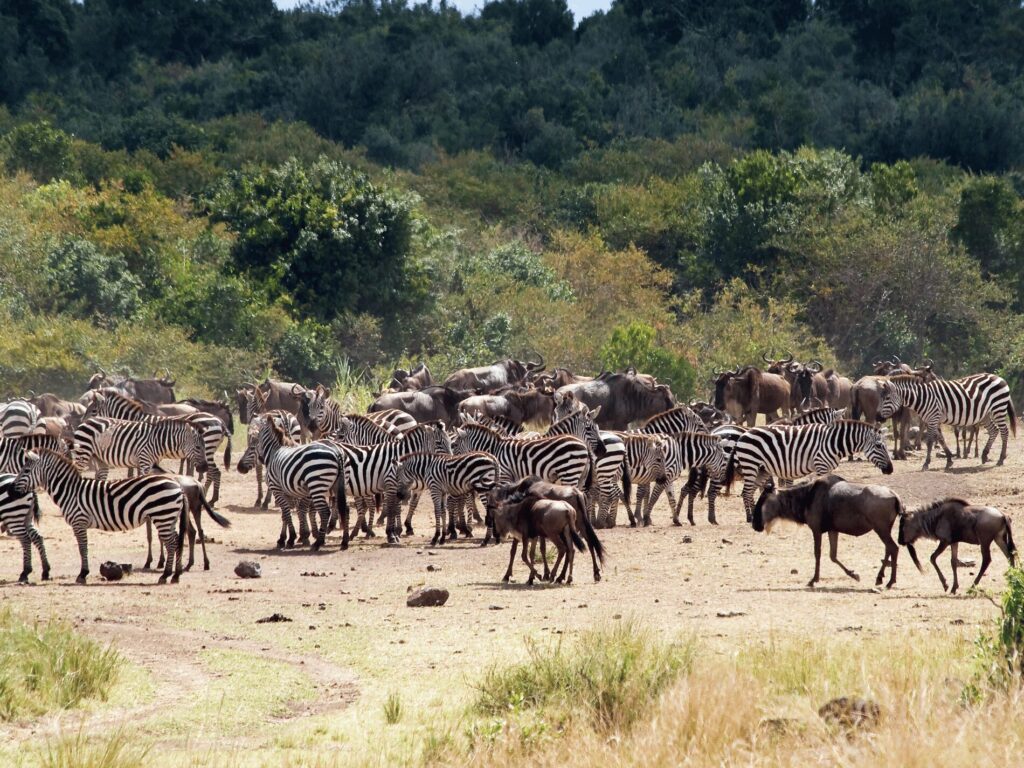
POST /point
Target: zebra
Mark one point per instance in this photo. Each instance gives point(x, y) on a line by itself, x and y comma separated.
point(682, 418)
point(793, 452)
point(449, 479)
point(12, 451)
point(136, 444)
point(211, 430)
point(370, 472)
point(362, 430)
point(645, 464)
point(19, 511)
point(18, 418)
point(561, 459)
point(499, 424)
point(109, 506)
point(392, 417)
point(609, 458)
point(289, 424)
point(728, 434)
point(983, 398)
point(816, 416)
point(696, 450)
point(298, 474)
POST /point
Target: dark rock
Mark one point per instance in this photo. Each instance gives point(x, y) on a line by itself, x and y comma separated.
point(248, 569)
point(112, 571)
point(495, 607)
point(427, 597)
point(730, 614)
point(687, 539)
point(850, 712)
point(433, 568)
point(274, 618)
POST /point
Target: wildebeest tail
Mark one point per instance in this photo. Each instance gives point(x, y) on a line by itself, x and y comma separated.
point(855, 411)
point(219, 519)
point(577, 541)
point(1010, 546)
point(591, 536)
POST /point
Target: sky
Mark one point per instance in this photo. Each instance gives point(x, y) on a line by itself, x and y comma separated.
point(580, 8)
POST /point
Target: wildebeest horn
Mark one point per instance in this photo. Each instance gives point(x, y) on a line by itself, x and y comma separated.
point(928, 363)
point(815, 366)
point(764, 356)
point(788, 360)
point(298, 389)
point(896, 360)
point(538, 366)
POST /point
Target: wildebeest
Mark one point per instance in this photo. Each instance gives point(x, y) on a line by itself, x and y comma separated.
point(489, 378)
point(952, 522)
point(154, 390)
point(533, 487)
point(275, 396)
point(544, 519)
point(437, 403)
point(559, 377)
point(745, 392)
point(218, 408)
point(410, 381)
point(833, 506)
point(623, 398)
point(838, 388)
point(50, 404)
point(533, 406)
point(805, 380)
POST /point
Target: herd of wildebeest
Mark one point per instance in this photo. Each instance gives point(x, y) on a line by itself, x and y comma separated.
point(550, 455)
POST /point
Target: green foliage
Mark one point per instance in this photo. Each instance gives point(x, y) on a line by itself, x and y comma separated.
point(40, 150)
point(89, 283)
point(610, 679)
point(49, 666)
point(121, 749)
point(393, 709)
point(636, 345)
point(1001, 652)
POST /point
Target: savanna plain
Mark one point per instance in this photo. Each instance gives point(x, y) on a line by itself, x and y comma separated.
point(701, 646)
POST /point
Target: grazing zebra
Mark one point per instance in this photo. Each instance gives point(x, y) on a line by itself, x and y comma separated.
point(645, 464)
point(792, 452)
point(696, 450)
point(297, 475)
point(449, 479)
point(289, 424)
point(728, 434)
point(136, 444)
point(682, 418)
point(983, 398)
point(19, 511)
point(370, 473)
point(12, 452)
point(108, 506)
point(561, 459)
point(18, 418)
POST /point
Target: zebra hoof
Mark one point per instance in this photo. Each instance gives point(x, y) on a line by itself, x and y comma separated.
point(162, 580)
point(81, 579)
point(409, 531)
point(23, 579)
point(437, 538)
point(678, 524)
point(45, 576)
point(280, 543)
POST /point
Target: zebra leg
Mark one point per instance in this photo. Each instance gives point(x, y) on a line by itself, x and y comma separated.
point(749, 486)
point(322, 506)
point(458, 505)
point(366, 515)
point(36, 538)
point(992, 431)
point(713, 491)
point(439, 533)
point(655, 494)
point(213, 476)
point(81, 535)
point(414, 500)
point(942, 442)
point(261, 500)
point(1004, 432)
point(26, 557)
point(169, 537)
point(304, 511)
point(286, 521)
point(149, 546)
point(642, 492)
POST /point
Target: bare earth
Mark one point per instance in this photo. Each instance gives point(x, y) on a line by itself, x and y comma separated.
point(204, 667)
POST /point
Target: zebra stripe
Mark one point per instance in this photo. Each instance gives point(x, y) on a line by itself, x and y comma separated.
point(695, 450)
point(983, 398)
point(448, 479)
point(728, 434)
point(18, 418)
point(816, 416)
point(106, 506)
point(18, 515)
point(362, 430)
point(289, 425)
point(682, 418)
point(136, 444)
point(790, 452)
point(12, 452)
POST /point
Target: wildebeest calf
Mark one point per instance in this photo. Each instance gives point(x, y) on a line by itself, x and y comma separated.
point(954, 521)
point(547, 519)
point(833, 506)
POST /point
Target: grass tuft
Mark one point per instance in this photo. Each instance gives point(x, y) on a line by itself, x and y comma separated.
point(393, 709)
point(48, 666)
point(610, 678)
point(117, 750)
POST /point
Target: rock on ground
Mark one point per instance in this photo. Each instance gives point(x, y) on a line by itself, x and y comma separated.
point(427, 597)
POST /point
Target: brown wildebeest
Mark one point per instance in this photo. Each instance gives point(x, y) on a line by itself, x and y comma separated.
point(839, 388)
point(526, 407)
point(410, 381)
point(274, 396)
point(192, 489)
point(623, 398)
point(833, 506)
point(154, 390)
point(559, 377)
point(745, 392)
point(536, 488)
point(952, 522)
point(546, 519)
point(488, 378)
point(434, 403)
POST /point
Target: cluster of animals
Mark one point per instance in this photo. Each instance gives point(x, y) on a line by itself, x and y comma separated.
point(467, 440)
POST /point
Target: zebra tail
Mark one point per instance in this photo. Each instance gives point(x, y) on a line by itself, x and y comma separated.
point(219, 519)
point(576, 540)
point(227, 454)
point(589, 482)
point(627, 485)
point(37, 513)
point(1013, 416)
point(184, 523)
point(730, 474)
point(340, 502)
point(591, 536)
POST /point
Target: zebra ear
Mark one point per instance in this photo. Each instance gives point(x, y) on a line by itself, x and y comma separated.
point(594, 413)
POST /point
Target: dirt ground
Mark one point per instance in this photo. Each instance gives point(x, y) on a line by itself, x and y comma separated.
point(206, 679)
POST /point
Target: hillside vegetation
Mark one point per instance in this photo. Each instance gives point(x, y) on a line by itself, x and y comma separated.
point(224, 189)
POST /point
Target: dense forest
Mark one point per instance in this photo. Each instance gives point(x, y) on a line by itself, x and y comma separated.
point(224, 189)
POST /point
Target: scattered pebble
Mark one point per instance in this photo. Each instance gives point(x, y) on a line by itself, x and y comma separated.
point(248, 569)
point(730, 614)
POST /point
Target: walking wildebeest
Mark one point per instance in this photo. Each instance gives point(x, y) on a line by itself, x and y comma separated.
point(546, 519)
point(833, 506)
point(952, 522)
point(623, 398)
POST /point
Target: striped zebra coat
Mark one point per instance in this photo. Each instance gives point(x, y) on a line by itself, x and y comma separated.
point(682, 418)
point(297, 476)
point(12, 452)
point(18, 418)
point(109, 506)
point(136, 444)
point(790, 452)
point(644, 464)
point(19, 512)
point(728, 434)
point(983, 398)
point(289, 425)
point(693, 450)
point(449, 480)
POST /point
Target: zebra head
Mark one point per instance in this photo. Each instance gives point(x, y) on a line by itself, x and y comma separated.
point(873, 447)
point(442, 441)
point(403, 479)
point(317, 404)
point(657, 457)
point(33, 473)
point(890, 402)
point(719, 462)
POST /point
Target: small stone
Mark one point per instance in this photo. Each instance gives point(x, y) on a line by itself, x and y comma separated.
point(793, 571)
point(248, 569)
point(495, 608)
point(730, 614)
point(687, 539)
point(617, 616)
point(111, 571)
point(427, 597)
point(433, 568)
point(850, 712)
point(274, 618)
point(726, 541)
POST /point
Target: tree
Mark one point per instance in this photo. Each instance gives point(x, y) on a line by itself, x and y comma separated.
point(39, 149)
point(636, 345)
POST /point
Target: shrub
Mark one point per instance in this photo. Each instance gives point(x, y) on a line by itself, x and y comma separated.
point(49, 666)
point(1002, 652)
point(119, 750)
point(635, 344)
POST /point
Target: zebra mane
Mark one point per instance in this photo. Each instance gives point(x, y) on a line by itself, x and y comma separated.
point(476, 428)
point(66, 460)
point(705, 437)
point(906, 378)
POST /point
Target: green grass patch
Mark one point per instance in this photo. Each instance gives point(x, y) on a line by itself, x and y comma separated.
point(116, 750)
point(609, 678)
point(393, 709)
point(46, 666)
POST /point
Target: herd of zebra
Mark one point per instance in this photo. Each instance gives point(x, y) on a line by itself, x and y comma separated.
point(460, 441)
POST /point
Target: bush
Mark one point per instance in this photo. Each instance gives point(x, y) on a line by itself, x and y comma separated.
point(40, 150)
point(1002, 652)
point(635, 345)
point(119, 750)
point(92, 284)
point(610, 678)
point(49, 666)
